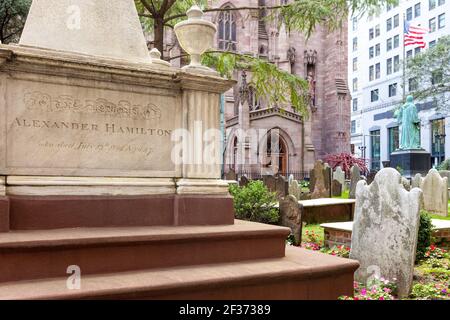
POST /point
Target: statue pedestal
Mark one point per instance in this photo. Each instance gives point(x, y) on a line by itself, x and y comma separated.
point(411, 162)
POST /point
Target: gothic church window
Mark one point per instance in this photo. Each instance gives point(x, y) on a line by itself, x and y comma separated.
point(227, 30)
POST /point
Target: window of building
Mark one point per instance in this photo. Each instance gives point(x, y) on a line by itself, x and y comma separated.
point(227, 30)
point(409, 54)
point(409, 14)
point(416, 51)
point(389, 66)
point(438, 141)
point(396, 41)
point(355, 23)
point(355, 104)
point(355, 44)
point(432, 43)
point(396, 20)
point(431, 4)
point(377, 30)
point(441, 2)
point(441, 21)
point(389, 24)
point(371, 34)
point(371, 73)
point(374, 95)
point(393, 135)
point(377, 50)
point(377, 71)
point(355, 84)
point(417, 10)
point(392, 90)
point(353, 126)
point(412, 84)
point(375, 150)
point(355, 64)
point(396, 63)
point(432, 24)
point(389, 44)
point(371, 52)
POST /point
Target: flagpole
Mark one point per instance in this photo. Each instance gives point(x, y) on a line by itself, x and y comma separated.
point(404, 58)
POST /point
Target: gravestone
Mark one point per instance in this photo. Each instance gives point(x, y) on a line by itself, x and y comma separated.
point(416, 181)
point(406, 184)
point(295, 189)
point(243, 181)
point(231, 175)
point(385, 230)
point(355, 176)
point(336, 188)
point(435, 193)
point(290, 216)
point(277, 184)
point(291, 177)
point(320, 180)
point(339, 175)
point(445, 174)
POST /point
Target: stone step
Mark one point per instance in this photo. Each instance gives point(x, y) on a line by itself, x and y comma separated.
point(301, 274)
point(41, 254)
point(56, 212)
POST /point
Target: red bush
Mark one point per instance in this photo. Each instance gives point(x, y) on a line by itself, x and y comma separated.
point(346, 161)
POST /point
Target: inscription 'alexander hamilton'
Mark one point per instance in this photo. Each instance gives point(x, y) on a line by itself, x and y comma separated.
point(107, 127)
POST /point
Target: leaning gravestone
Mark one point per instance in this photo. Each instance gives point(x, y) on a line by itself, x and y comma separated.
point(355, 176)
point(336, 188)
point(435, 193)
point(406, 184)
point(339, 175)
point(277, 184)
point(290, 216)
point(320, 184)
point(385, 230)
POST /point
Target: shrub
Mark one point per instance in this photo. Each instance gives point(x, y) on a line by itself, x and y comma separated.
point(254, 202)
point(425, 233)
point(444, 165)
point(430, 291)
point(346, 161)
point(378, 289)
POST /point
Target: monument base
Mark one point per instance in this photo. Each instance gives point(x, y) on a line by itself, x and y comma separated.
point(411, 162)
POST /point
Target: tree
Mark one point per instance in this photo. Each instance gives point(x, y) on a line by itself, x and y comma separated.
point(13, 14)
point(428, 74)
point(275, 85)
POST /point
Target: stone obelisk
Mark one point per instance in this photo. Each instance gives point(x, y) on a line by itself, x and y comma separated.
point(103, 28)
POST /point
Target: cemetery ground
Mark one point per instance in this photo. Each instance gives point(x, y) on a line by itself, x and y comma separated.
point(431, 274)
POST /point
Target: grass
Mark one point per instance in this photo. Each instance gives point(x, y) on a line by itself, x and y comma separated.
point(316, 228)
point(344, 195)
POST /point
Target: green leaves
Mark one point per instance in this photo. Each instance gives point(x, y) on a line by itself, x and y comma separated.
point(254, 202)
point(13, 14)
point(430, 71)
point(276, 86)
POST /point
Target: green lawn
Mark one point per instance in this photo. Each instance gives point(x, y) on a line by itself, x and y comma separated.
point(317, 230)
point(344, 195)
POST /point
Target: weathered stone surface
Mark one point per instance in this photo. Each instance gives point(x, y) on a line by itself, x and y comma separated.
point(435, 193)
point(231, 175)
point(108, 28)
point(445, 174)
point(339, 175)
point(277, 184)
point(355, 176)
point(290, 216)
point(416, 181)
point(295, 189)
point(385, 229)
point(336, 188)
point(320, 184)
point(406, 184)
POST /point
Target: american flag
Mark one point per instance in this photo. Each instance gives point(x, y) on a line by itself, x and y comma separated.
point(413, 35)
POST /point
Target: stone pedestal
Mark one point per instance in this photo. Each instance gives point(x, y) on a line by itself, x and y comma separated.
point(411, 162)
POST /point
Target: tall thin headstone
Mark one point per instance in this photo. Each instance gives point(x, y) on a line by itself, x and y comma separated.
point(385, 230)
point(355, 176)
point(339, 175)
point(320, 185)
point(435, 193)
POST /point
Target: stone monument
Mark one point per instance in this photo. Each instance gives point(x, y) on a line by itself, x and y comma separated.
point(103, 141)
point(385, 230)
point(410, 157)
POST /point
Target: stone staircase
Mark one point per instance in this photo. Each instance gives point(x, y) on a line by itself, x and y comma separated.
point(237, 261)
